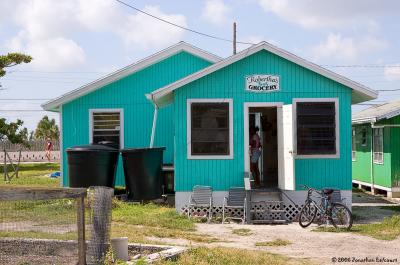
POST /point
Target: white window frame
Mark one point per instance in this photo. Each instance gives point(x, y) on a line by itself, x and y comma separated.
point(379, 162)
point(189, 126)
point(337, 129)
point(121, 129)
point(353, 138)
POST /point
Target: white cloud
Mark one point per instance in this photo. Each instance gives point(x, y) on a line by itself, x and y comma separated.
point(337, 47)
point(99, 15)
point(392, 73)
point(216, 12)
point(143, 31)
point(47, 28)
point(336, 14)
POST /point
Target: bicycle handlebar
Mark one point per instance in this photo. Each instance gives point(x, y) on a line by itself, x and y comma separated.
point(310, 189)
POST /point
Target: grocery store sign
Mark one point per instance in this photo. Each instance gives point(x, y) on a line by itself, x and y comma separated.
point(262, 83)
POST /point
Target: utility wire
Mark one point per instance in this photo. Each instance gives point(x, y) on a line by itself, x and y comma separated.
point(27, 99)
point(363, 66)
point(179, 26)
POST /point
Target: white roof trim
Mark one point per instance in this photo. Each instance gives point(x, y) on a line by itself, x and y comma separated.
point(159, 56)
point(387, 115)
point(363, 90)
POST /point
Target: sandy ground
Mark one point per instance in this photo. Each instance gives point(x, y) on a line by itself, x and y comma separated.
point(318, 247)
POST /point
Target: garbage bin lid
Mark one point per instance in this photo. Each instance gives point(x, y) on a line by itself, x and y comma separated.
point(92, 147)
point(144, 149)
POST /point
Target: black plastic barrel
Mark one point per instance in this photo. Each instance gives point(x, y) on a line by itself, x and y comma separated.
point(143, 172)
point(92, 165)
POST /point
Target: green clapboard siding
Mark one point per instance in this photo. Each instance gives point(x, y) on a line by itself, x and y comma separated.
point(362, 164)
point(228, 82)
point(382, 172)
point(129, 94)
point(388, 173)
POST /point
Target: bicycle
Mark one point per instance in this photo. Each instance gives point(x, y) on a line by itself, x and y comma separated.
point(336, 212)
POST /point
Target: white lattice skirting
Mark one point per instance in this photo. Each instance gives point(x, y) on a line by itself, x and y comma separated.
point(261, 211)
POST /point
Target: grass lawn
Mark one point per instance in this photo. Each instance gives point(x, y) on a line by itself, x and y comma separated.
point(389, 229)
point(230, 256)
point(242, 232)
point(33, 175)
point(274, 243)
point(140, 223)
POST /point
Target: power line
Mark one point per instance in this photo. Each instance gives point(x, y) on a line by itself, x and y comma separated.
point(387, 90)
point(21, 110)
point(27, 99)
point(181, 27)
point(362, 66)
point(57, 72)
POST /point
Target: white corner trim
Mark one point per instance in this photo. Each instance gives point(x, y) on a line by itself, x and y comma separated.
point(122, 122)
point(130, 69)
point(189, 125)
point(337, 129)
point(366, 92)
point(61, 148)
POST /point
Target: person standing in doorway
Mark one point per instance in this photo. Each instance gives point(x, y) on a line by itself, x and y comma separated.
point(48, 148)
point(255, 153)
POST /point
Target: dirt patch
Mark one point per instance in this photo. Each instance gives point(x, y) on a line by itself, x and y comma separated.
point(363, 197)
point(26, 226)
point(368, 214)
point(37, 251)
point(320, 247)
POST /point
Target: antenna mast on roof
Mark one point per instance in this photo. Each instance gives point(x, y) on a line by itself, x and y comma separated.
point(234, 38)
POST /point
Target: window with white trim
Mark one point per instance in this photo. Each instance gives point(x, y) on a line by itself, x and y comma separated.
point(106, 127)
point(378, 145)
point(209, 125)
point(353, 144)
point(316, 128)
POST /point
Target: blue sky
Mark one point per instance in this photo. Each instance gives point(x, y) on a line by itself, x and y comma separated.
point(76, 41)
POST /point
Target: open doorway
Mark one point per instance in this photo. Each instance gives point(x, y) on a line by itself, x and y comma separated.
point(264, 119)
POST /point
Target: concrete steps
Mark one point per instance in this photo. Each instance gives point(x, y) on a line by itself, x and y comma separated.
point(266, 207)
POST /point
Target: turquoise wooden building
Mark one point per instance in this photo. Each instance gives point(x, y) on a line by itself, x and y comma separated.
point(376, 148)
point(201, 108)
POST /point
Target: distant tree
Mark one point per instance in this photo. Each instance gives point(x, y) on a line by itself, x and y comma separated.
point(13, 131)
point(47, 128)
point(12, 59)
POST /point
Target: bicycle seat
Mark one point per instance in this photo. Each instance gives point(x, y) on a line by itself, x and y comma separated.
point(327, 191)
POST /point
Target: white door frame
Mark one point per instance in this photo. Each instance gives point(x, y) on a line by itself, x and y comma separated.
point(246, 106)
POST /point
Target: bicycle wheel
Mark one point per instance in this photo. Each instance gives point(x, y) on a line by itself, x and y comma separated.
point(341, 216)
point(307, 214)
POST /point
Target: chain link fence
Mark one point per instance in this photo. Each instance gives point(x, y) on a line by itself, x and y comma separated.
point(54, 226)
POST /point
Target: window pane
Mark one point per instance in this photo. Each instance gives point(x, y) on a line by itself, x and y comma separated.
point(378, 144)
point(106, 127)
point(210, 128)
point(316, 128)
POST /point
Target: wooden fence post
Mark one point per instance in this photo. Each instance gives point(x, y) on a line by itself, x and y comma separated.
point(80, 206)
point(5, 165)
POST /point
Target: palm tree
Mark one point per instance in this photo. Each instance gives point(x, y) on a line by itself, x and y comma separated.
point(47, 128)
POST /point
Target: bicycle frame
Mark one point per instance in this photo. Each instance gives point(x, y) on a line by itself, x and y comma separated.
point(325, 204)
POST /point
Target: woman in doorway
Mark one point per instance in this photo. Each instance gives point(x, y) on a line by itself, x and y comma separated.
point(255, 153)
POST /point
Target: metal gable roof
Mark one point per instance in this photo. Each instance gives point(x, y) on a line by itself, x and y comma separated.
point(163, 96)
point(54, 104)
point(379, 112)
